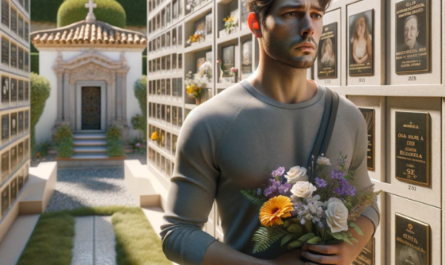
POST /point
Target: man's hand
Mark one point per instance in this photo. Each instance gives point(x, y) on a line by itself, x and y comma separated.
point(342, 253)
point(291, 257)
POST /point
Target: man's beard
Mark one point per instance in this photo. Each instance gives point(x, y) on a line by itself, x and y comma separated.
point(279, 52)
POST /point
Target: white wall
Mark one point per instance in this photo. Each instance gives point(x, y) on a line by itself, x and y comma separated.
point(49, 116)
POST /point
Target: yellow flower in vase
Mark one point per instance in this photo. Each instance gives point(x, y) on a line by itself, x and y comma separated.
point(274, 209)
point(189, 90)
point(154, 136)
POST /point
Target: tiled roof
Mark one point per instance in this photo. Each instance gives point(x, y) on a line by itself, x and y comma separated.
point(96, 34)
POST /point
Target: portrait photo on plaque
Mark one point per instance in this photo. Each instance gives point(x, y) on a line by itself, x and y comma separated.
point(368, 115)
point(412, 241)
point(327, 52)
point(361, 47)
point(413, 147)
point(413, 37)
point(367, 256)
point(246, 60)
point(5, 127)
point(228, 60)
point(209, 24)
point(5, 89)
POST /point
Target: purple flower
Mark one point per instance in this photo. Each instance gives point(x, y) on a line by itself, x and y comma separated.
point(258, 192)
point(320, 225)
point(275, 188)
point(344, 188)
point(138, 145)
point(278, 172)
point(284, 188)
point(320, 183)
point(303, 221)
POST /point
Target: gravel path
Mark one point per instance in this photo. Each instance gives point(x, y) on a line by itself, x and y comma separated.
point(89, 187)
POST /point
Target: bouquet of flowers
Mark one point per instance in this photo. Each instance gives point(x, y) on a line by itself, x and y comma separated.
point(194, 84)
point(196, 37)
point(230, 24)
point(297, 212)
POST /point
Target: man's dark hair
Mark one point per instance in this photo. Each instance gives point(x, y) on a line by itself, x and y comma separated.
point(262, 7)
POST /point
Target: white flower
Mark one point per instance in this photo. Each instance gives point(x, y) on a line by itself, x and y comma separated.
point(296, 174)
point(303, 189)
point(337, 215)
point(323, 161)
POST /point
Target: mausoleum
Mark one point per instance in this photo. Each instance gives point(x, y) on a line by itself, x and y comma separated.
point(92, 67)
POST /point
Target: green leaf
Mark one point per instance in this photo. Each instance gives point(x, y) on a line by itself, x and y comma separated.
point(357, 229)
point(314, 240)
point(347, 241)
point(295, 244)
point(353, 239)
point(286, 239)
point(349, 234)
point(255, 199)
point(295, 229)
point(338, 236)
point(286, 224)
point(306, 237)
point(308, 226)
point(266, 236)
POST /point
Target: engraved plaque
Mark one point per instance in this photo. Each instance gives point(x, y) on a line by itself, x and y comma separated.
point(413, 147)
point(13, 186)
point(5, 165)
point(20, 184)
point(228, 60)
point(13, 158)
point(13, 124)
point(21, 122)
point(5, 89)
point(5, 127)
point(246, 59)
point(20, 90)
point(26, 120)
point(26, 61)
point(5, 199)
point(20, 150)
point(367, 256)
point(26, 31)
point(20, 33)
point(26, 90)
point(5, 12)
point(21, 61)
point(413, 38)
point(412, 241)
point(13, 90)
point(361, 46)
point(368, 114)
point(327, 52)
point(14, 20)
point(5, 51)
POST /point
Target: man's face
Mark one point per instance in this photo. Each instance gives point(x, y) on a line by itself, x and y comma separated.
point(292, 30)
point(411, 32)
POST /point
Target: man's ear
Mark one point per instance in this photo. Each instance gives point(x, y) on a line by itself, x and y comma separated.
point(254, 25)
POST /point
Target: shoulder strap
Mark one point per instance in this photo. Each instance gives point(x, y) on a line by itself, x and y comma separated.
point(324, 132)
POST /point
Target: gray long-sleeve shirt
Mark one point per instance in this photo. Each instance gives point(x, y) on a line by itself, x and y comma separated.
point(231, 143)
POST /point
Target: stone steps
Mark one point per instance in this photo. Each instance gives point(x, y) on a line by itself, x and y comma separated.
point(90, 149)
point(91, 146)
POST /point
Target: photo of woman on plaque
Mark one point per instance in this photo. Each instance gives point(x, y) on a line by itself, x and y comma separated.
point(412, 37)
point(327, 66)
point(361, 48)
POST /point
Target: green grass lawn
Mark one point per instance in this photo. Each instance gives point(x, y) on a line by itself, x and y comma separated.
point(52, 239)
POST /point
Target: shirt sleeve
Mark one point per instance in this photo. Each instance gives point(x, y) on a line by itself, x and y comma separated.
point(359, 164)
point(191, 194)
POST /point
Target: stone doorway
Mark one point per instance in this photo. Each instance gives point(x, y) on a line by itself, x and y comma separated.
point(91, 108)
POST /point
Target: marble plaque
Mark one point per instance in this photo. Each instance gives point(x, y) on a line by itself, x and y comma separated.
point(20, 90)
point(5, 89)
point(20, 182)
point(13, 158)
point(413, 38)
point(5, 127)
point(13, 90)
point(14, 20)
point(228, 60)
point(412, 241)
point(367, 256)
point(26, 148)
point(26, 31)
point(413, 147)
point(13, 186)
point(21, 61)
point(5, 165)
point(5, 199)
point(368, 114)
point(246, 63)
point(20, 32)
point(21, 121)
point(361, 45)
point(327, 52)
point(244, 15)
point(26, 61)
point(5, 51)
point(20, 153)
point(5, 12)
point(26, 90)
point(209, 24)
point(26, 120)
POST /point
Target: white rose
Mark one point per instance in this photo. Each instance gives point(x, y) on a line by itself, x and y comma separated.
point(303, 189)
point(337, 215)
point(296, 174)
point(323, 161)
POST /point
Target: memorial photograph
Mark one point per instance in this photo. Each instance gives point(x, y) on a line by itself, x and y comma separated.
point(361, 47)
point(5, 89)
point(246, 60)
point(228, 60)
point(327, 52)
point(413, 37)
point(412, 241)
point(368, 114)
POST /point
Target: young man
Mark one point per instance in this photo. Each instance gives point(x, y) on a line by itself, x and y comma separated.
point(270, 120)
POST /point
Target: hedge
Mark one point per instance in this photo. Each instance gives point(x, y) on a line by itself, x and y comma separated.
point(140, 92)
point(35, 67)
point(115, 145)
point(40, 90)
point(109, 11)
point(46, 11)
point(64, 138)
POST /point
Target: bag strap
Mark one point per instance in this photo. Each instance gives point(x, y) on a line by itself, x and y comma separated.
point(324, 132)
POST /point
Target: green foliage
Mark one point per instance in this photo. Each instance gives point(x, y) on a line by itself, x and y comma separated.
point(109, 11)
point(40, 150)
point(140, 92)
point(46, 11)
point(138, 122)
point(40, 90)
point(64, 138)
point(35, 67)
point(255, 199)
point(266, 236)
point(144, 65)
point(114, 142)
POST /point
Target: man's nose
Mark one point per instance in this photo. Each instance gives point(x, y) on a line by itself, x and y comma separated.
point(307, 27)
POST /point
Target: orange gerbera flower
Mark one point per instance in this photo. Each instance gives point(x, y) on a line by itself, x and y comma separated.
point(275, 209)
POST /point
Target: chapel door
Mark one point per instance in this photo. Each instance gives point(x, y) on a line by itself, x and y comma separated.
point(91, 107)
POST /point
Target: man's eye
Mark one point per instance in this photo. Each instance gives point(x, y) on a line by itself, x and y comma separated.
point(317, 16)
point(291, 14)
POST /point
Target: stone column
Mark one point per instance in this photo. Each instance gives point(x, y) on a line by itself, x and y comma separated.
point(113, 100)
point(124, 99)
point(66, 98)
point(59, 96)
point(119, 97)
point(72, 106)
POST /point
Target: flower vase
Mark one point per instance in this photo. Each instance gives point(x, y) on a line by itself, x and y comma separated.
point(198, 101)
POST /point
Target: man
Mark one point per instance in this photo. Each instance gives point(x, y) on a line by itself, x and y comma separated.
point(270, 120)
point(411, 30)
